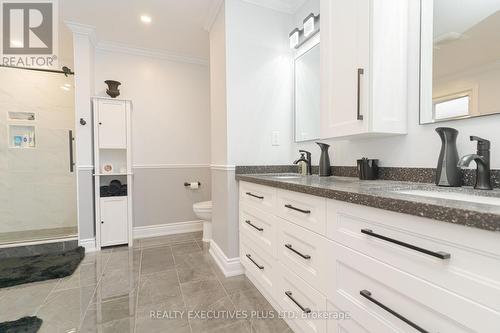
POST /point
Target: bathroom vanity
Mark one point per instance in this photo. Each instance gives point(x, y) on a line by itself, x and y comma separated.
point(391, 256)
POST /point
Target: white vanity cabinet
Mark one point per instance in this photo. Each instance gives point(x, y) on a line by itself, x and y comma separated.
point(371, 270)
point(364, 61)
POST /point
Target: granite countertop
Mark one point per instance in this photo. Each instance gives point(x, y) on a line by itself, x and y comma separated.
point(384, 194)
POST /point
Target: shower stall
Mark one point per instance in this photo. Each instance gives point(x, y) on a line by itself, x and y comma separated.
point(37, 176)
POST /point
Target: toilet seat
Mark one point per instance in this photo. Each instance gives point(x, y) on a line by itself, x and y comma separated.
point(204, 206)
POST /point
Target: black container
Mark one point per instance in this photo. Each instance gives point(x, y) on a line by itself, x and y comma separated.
point(112, 90)
point(325, 169)
point(448, 173)
point(367, 169)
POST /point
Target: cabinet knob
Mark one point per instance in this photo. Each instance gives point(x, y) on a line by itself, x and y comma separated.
point(100, 123)
point(102, 222)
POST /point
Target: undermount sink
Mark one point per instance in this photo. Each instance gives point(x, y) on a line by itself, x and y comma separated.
point(288, 177)
point(454, 196)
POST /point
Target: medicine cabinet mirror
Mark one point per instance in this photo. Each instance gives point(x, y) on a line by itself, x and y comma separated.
point(460, 59)
point(306, 96)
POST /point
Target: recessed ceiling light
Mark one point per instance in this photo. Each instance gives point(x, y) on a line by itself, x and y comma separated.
point(146, 18)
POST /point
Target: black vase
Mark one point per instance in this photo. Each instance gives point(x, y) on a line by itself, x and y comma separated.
point(448, 173)
point(112, 90)
point(324, 161)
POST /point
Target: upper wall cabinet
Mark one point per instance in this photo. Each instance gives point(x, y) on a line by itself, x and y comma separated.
point(112, 124)
point(364, 67)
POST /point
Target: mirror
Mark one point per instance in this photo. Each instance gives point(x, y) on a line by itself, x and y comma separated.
point(460, 59)
point(306, 97)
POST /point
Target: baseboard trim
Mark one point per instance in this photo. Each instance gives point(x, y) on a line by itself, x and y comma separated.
point(88, 244)
point(167, 229)
point(228, 266)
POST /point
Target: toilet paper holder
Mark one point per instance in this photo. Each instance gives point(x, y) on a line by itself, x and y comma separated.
point(186, 184)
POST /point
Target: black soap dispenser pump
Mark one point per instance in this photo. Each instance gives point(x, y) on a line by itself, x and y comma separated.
point(324, 161)
point(448, 173)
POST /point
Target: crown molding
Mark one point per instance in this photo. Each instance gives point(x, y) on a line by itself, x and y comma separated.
point(213, 11)
point(146, 52)
point(284, 6)
point(82, 29)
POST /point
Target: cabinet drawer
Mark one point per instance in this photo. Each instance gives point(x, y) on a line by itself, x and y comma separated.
point(472, 270)
point(368, 288)
point(259, 264)
point(296, 296)
point(258, 196)
point(303, 252)
point(305, 210)
point(259, 227)
point(343, 322)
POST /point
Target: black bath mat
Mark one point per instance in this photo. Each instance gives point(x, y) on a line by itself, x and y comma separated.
point(14, 271)
point(23, 325)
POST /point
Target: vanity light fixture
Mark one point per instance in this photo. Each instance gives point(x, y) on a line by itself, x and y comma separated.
point(299, 36)
point(294, 37)
point(310, 23)
point(146, 19)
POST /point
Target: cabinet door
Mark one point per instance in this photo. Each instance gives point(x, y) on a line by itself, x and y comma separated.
point(112, 124)
point(114, 223)
point(345, 58)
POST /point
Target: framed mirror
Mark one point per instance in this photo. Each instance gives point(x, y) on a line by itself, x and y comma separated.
point(307, 91)
point(460, 59)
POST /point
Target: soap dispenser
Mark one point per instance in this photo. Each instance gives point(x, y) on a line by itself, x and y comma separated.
point(302, 164)
point(448, 173)
point(324, 161)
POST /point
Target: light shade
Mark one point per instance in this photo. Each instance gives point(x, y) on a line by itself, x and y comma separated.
point(309, 24)
point(294, 38)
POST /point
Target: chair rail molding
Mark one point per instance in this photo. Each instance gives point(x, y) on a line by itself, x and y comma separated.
point(223, 167)
point(170, 166)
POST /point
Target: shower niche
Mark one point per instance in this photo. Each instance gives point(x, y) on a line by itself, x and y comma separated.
point(21, 129)
point(22, 136)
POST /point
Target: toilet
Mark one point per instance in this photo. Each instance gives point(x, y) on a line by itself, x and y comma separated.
point(203, 210)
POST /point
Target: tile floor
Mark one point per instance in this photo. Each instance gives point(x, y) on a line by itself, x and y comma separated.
point(116, 290)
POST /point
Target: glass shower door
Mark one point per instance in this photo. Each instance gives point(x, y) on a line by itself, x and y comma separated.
point(37, 176)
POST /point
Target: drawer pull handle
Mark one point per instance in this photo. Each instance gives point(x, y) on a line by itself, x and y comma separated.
point(253, 261)
point(361, 71)
point(368, 295)
point(298, 209)
point(305, 256)
point(253, 225)
point(289, 295)
point(440, 254)
point(255, 196)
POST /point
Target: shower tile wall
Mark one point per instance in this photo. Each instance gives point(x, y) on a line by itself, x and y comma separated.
point(37, 191)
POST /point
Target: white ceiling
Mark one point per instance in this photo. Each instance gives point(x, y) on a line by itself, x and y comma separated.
point(178, 27)
point(458, 16)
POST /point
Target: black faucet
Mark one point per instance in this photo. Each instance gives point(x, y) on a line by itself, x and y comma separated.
point(482, 159)
point(306, 159)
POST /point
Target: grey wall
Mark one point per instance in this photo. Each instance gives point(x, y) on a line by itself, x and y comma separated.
point(86, 203)
point(160, 196)
point(225, 211)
